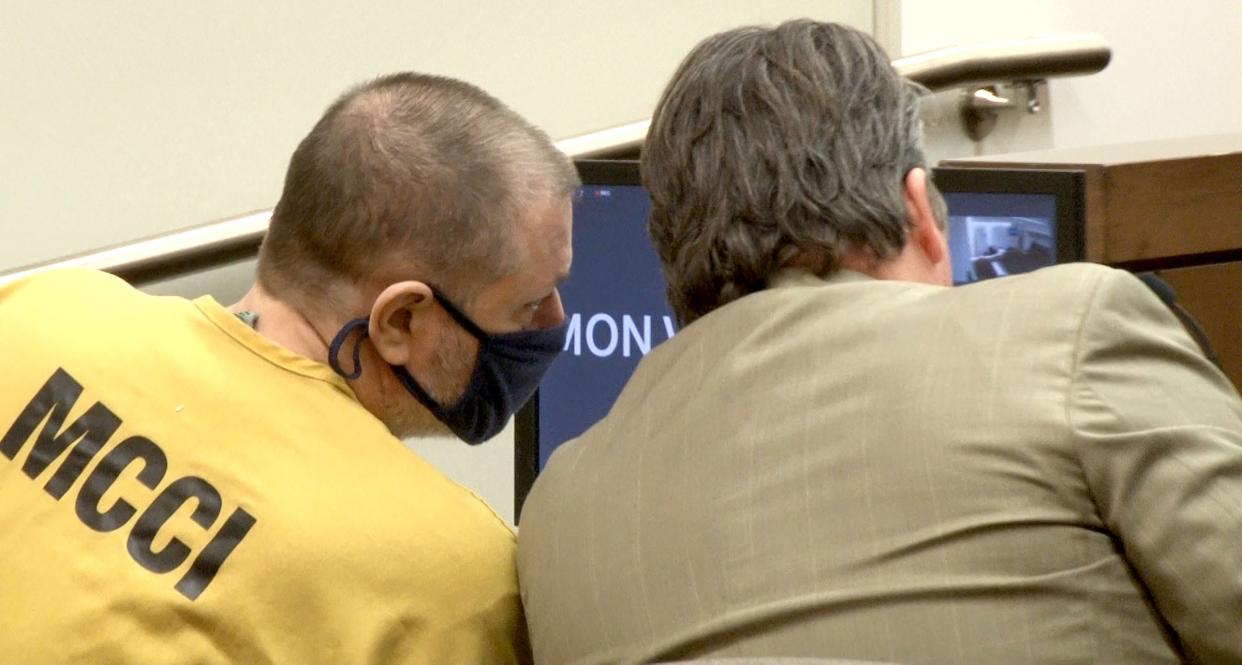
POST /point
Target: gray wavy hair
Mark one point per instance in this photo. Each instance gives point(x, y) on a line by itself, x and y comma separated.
point(771, 144)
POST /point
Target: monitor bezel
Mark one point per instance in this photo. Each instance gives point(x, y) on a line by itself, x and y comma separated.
point(1065, 186)
point(526, 423)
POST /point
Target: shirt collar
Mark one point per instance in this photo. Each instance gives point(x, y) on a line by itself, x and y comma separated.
point(801, 277)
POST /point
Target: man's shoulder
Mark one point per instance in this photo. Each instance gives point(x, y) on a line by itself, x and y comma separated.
point(1068, 289)
point(445, 528)
point(412, 481)
point(1068, 271)
point(63, 302)
point(1059, 284)
point(64, 280)
point(378, 487)
point(69, 290)
point(1067, 279)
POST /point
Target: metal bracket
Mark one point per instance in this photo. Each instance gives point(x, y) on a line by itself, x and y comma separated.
point(981, 106)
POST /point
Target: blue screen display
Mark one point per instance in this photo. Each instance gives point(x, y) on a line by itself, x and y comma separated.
point(993, 235)
point(616, 307)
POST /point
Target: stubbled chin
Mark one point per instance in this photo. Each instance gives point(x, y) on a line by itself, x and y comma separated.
point(410, 430)
point(408, 419)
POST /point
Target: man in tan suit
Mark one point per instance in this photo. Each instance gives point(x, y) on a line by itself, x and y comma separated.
point(839, 455)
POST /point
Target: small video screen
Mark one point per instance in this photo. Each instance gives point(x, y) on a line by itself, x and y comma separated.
point(989, 243)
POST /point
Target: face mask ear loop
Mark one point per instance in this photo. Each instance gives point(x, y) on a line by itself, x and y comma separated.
point(334, 351)
point(460, 317)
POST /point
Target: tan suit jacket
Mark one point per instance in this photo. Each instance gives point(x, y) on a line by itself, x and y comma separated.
point(1035, 469)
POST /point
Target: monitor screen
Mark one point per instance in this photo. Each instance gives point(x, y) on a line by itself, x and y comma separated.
point(617, 311)
point(993, 235)
point(1000, 222)
point(1004, 221)
point(616, 308)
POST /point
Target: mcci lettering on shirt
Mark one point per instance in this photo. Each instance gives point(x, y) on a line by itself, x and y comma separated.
point(87, 435)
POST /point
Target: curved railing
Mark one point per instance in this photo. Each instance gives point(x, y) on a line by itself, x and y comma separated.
point(941, 69)
point(217, 243)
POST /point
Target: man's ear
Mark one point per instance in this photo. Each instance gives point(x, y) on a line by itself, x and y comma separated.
point(924, 228)
point(399, 311)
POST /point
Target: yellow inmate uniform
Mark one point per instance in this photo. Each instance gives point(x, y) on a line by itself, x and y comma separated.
point(175, 488)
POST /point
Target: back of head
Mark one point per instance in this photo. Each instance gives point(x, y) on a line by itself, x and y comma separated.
point(408, 176)
point(776, 145)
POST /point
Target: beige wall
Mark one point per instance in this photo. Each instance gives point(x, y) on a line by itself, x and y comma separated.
point(1173, 71)
point(125, 119)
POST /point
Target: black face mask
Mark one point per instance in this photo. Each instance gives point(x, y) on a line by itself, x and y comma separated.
point(506, 373)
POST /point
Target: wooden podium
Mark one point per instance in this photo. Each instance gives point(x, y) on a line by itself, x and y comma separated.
point(1173, 207)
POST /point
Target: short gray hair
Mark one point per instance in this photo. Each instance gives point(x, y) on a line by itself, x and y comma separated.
point(409, 169)
point(770, 143)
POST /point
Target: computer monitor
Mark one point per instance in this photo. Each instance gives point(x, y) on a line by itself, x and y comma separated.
point(1008, 221)
point(1000, 222)
point(617, 312)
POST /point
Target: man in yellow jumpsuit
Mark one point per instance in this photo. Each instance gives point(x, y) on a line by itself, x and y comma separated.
point(186, 482)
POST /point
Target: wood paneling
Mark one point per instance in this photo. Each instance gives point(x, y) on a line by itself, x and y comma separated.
point(1213, 296)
